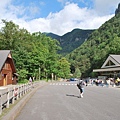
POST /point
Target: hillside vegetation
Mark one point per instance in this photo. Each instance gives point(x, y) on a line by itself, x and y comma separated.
point(71, 40)
point(93, 52)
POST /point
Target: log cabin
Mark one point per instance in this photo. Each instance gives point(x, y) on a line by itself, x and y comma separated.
point(8, 73)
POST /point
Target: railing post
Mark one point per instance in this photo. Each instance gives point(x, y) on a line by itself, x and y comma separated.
point(0, 103)
point(20, 91)
point(24, 88)
point(13, 99)
point(17, 92)
point(8, 98)
point(27, 87)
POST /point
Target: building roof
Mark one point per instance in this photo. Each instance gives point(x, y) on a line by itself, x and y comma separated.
point(4, 54)
point(116, 58)
point(112, 63)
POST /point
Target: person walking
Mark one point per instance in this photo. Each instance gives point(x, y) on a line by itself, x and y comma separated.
point(30, 80)
point(80, 86)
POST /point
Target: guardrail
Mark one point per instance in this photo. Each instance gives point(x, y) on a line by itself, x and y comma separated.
point(9, 94)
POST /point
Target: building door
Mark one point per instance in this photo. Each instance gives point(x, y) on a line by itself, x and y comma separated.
point(5, 80)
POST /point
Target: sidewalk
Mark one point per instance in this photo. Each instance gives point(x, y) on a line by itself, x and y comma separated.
point(14, 111)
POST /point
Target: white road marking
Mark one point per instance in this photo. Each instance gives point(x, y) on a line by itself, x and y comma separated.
point(62, 84)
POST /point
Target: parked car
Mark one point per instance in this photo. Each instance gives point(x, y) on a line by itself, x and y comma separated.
point(72, 79)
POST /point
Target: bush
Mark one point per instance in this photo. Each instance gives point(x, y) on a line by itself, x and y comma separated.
point(23, 81)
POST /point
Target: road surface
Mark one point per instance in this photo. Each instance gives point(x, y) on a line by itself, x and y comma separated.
point(59, 101)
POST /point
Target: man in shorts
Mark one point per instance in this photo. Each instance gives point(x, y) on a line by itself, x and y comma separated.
point(80, 85)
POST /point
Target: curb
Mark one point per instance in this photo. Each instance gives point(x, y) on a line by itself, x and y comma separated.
point(12, 114)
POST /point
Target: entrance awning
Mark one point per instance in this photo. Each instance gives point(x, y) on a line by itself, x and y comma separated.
point(107, 69)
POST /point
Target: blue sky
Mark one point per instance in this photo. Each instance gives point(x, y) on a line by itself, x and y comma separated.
point(57, 16)
point(41, 8)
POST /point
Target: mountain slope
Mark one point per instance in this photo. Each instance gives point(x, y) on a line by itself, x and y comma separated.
point(71, 40)
point(93, 52)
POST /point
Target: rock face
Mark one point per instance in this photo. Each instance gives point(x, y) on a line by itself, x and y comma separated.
point(118, 9)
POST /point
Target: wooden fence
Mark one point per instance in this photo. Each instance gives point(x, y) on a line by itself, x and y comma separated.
point(11, 93)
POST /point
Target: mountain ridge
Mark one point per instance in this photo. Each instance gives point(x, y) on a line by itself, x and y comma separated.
point(71, 40)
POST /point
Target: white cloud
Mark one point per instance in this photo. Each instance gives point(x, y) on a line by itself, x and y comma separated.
point(104, 7)
point(67, 19)
point(3, 3)
point(70, 17)
point(33, 9)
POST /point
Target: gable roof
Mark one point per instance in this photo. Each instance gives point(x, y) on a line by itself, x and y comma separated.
point(112, 63)
point(4, 54)
point(114, 59)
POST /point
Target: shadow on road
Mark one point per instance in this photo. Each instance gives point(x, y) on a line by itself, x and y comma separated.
point(72, 95)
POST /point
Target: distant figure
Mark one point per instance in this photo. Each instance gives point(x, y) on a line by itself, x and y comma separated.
point(86, 81)
point(97, 82)
point(108, 82)
point(92, 82)
point(80, 86)
point(118, 81)
point(30, 80)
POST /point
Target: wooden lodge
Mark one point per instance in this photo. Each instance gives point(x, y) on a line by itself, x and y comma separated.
point(8, 73)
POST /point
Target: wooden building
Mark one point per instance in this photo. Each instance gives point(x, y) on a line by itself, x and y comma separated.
point(111, 67)
point(7, 68)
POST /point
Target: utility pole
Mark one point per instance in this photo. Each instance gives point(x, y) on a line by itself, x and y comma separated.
point(52, 76)
point(39, 73)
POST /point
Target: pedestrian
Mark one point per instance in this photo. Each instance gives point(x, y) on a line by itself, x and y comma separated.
point(30, 80)
point(86, 82)
point(92, 82)
point(108, 82)
point(80, 86)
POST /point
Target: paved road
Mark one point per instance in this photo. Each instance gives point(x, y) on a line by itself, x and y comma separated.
point(59, 101)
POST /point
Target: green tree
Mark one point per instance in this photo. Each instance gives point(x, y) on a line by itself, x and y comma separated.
point(64, 68)
point(77, 73)
point(22, 75)
point(31, 52)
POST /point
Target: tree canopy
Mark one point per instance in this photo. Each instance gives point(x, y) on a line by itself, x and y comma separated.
point(34, 54)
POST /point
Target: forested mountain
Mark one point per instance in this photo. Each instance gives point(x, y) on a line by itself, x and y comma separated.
point(93, 52)
point(71, 40)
